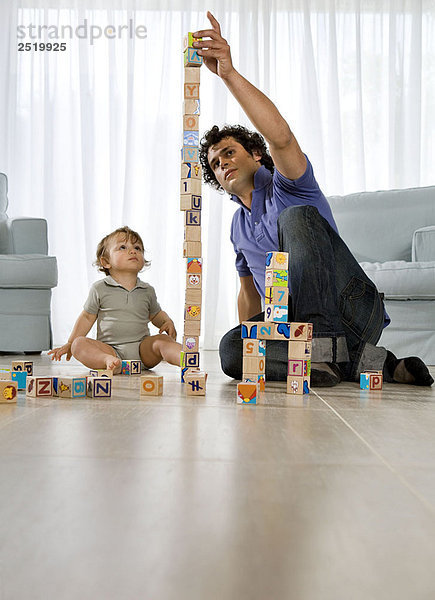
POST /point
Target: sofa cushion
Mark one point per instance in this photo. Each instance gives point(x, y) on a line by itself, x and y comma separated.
point(423, 244)
point(28, 271)
point(401, 280)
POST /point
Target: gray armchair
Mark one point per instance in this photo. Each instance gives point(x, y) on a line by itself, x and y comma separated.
point(27, 276)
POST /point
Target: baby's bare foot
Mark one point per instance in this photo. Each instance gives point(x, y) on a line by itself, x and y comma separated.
point(113, 363)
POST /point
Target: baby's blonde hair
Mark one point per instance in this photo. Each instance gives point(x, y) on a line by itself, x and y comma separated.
point(130, 235)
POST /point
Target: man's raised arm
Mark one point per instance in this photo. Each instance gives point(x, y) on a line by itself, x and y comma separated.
point(263, 114)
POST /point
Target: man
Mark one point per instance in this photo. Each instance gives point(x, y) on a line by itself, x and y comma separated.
point(283, 208)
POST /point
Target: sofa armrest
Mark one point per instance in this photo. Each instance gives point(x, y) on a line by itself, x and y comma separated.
point(423, 244)
point(23, 235)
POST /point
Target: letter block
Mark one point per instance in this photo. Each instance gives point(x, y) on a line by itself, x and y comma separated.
point(247, 393)
point(189, 154)
point(191, 170)
point(190, 359)
point(192, 312)
point(276, 313)
point(191, 75)
point(193, 296)
point(249, 329)
point(191, 122)
point(8, 392)
point(255, 364)
point(191, 107)
point(187, 371)
point(298, 385)
point(5, 375)
point(259, 378)
point(194, 264)
point(193, 281)
point(100, 387)
point(191, 91)
point(192, 249)
point(190, 186)
point(371, 380)
point(101, 373)
point(254, 347)
point(301, 331)
point(191, 138)
point(192, 328)
point(192, 58)
point(299, 368)
point(299, 349)
point(151, 385)
point(20, 377)
point(192, 218)
point(71, 387)
point(277, 260)
point(190, 201)
point(188, 40)
point(39, 387)
point(276, 295)
point(190, 343)
point(195, 383)
point(266, 330)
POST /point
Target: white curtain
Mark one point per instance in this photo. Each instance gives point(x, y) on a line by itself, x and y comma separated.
point(90, 137)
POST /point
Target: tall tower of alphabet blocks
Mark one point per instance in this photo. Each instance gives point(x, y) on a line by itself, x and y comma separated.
point(191, 204)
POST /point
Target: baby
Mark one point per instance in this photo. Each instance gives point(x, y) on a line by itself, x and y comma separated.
point(122, 305)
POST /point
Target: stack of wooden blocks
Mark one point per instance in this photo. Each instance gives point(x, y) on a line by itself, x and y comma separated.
point(191, 204)
point(275, 327)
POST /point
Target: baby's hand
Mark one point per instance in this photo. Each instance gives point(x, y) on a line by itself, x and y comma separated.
point(169, 328)
point(59, 352)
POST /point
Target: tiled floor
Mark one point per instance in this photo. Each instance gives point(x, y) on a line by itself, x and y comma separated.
point(175, 498)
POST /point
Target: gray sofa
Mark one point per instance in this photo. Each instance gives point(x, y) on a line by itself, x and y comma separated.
point(392, 235)
point(27, 276)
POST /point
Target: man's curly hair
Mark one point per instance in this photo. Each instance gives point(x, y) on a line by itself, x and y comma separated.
point(250, 140)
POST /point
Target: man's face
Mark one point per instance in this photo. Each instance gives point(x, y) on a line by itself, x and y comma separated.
point(233, 166)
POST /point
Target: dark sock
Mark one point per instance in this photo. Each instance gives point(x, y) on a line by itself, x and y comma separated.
point(410, 370)
point(324, 375)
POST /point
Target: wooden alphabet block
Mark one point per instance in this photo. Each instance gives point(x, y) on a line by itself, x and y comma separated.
point(191, 170)
point(101, 373)
point(192, 234)
point(39, 387)
point(193, 296)
point(282, 331)
point(8, 391)
point(191, 186)
point(5, 375)
point(21, 378)
point(254, 347)
point(192, 328)
point(190, 343)
point(193, 280)
point(277, 260)
point(191, 107)
point(299, 349)
point(193, 218)
point(190, 154)
point(188, 40)
point(266, 331)
point(255, 364)
point(100, 387)
point(185, 371)
point(192, 312)
point(71, 387)
point(22, 365)
point(191, 138)
point(191, 123)
point(194, 264)
point(28, 365)
point(190, 202)
point(191, 75)
point(298, 367)
point(276, 295)
point(192, 249)
point(258, 378)
point(249, 329)
point(192, 58)
point(371, 380)
point(298, 385)
point(191, 359)
point(151, 385)
point(276, 313)
point(195, 383)
point(301, 331)
point(247, 393)
point(191, 91)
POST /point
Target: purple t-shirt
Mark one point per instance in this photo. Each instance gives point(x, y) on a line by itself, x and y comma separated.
point(254, 232)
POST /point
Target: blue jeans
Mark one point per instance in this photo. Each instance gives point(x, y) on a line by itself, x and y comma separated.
point(328, 289)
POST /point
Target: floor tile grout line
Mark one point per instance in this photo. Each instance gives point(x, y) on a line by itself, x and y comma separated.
point(389, 466)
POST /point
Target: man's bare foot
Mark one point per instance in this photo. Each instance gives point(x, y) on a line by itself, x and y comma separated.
point(113, 363)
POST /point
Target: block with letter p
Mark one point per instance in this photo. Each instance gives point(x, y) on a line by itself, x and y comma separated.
point(99, 387)
point(371, 380)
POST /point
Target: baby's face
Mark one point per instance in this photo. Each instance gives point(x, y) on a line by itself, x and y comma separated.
point(124, 255)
